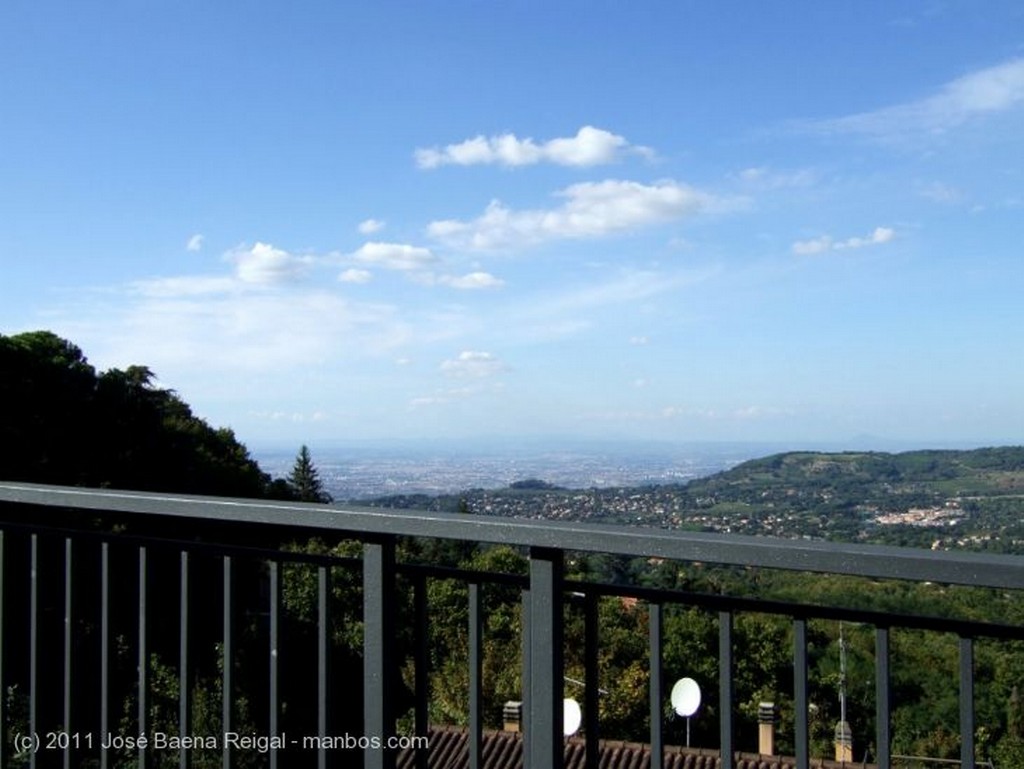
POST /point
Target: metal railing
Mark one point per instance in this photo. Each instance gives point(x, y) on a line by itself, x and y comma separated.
point(84, 586)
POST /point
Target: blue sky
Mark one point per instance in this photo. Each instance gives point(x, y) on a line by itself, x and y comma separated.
point(676, 221)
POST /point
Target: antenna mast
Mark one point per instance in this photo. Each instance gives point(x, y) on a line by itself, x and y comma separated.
point(842, 675)
point(844, 737)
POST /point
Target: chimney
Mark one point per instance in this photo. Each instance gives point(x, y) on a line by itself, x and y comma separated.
point(512, 716)
point(844, 742)
point(766, 728)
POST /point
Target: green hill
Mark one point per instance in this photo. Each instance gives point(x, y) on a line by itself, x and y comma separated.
point(972, 499)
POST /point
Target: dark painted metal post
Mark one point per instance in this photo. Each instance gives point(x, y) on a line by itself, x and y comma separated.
point(967, 703)
point(592, 729)
point(3, 712)
point(275, 607)
point(544, 738)
point(143, 655)
point(104, 648)
point(378, 648)
point(725, 688)
point(184, 682)
point(657, 685)
point(800, 736)
point(33, 649)
point(476, 674)
point(526, 675)
point(883, 696)
point(227, 664)
point(68, 579)
point(422, 664)
point(323, 660)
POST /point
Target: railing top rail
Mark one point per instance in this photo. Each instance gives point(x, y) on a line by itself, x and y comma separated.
point(873, 561)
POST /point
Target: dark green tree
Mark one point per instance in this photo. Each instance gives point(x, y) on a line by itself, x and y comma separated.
point(305, 480)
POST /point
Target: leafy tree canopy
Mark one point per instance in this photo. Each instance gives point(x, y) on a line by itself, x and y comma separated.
point(63, 422)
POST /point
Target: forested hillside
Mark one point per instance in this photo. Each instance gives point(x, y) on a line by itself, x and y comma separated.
point(937, 499)
point(62, 421)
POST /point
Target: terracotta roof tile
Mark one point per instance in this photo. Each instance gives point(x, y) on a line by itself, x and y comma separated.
point(449, 749)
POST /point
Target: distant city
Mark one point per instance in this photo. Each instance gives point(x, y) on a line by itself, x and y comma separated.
point(363, 472)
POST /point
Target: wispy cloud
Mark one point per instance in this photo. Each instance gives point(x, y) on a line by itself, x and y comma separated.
point(473, 364)
point(573, 310)
point(984, 92)
point(195, 243)
point(941, 193)
point(472, 281)
point(766, 178)
point(589, 147)
point(591, 209)
point(394, 256)
point(370, 226)
point(826, 243)
point(202, 337)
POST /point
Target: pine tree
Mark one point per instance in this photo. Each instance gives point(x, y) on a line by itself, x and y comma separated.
point(305, 480)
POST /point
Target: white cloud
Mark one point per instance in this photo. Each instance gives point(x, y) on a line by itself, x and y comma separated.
point(208, 337)
point(639, 341)
point(880, 235)
point(813, 246)
point(592, 209)
point(354, 275)
point(370, 226)
point(264, 264)
point(589, 147)
point(826, 243)
point(183, 286)
point(765, 178)
point(473, 364)
point(195, 243)
point(987, 91)
point(296, 417)
point(941, 193)
point(473, 280)
point(394, 256)
point(443, 396)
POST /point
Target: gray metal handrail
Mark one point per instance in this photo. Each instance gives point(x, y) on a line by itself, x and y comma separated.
point(874, 561)
point(544, 590)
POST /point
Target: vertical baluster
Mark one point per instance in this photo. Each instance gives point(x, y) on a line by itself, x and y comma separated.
point(800, 736)
point(378, 648)
point(184, 683)
point(3, 711)
point(227, 664)
point(67, 726)
point(967, 703)
point(143, 655)
point(322, 666)
point(544, 735)
point(657, 693)
point(33, 649)
point(104, 649)
point(725, 688)
point(275, 600)
point(883, 692)
point(592, 679)
point(476, 669)
point(527, 673)
point(422, 662)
